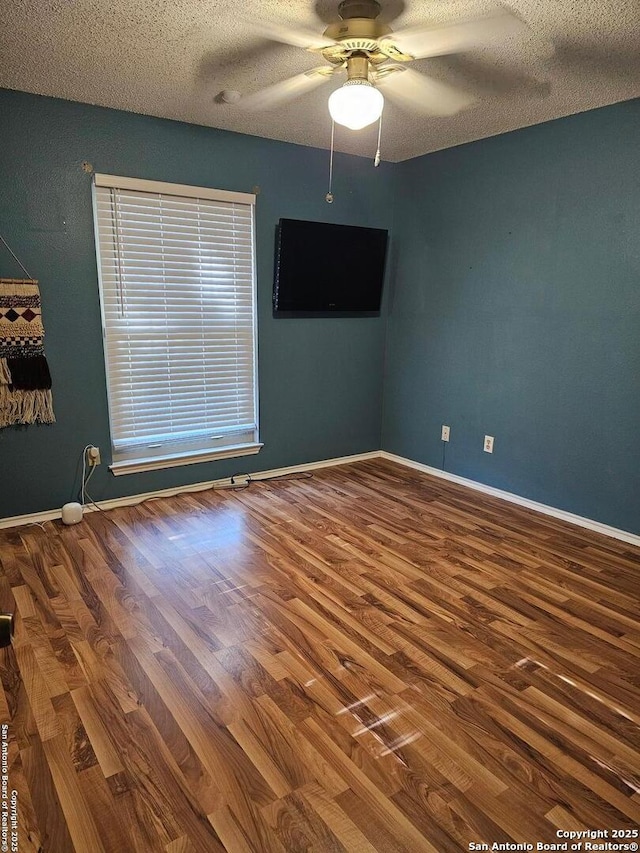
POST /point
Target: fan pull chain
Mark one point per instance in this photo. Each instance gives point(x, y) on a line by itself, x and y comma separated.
point(376, 159)
point(329, 195)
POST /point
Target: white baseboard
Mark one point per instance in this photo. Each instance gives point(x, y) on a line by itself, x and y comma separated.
point(570, 517)
point(112, 503)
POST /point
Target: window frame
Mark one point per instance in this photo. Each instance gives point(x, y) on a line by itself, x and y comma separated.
point(133, 460)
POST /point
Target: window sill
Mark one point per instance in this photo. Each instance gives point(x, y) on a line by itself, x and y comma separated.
point(173, 460)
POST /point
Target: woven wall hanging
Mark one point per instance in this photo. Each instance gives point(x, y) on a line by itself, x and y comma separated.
point(25, 381)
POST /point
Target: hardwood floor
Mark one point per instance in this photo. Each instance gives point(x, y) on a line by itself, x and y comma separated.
point(369, 660)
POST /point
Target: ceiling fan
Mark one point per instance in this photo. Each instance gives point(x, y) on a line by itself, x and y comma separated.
point(375, 60)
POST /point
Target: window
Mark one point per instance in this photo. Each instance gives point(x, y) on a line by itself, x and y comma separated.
point(178, 291)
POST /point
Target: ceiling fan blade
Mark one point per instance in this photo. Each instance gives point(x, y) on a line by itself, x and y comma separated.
point(287, 90)
point(423, 94)
point(489, 80)
point(610, 60)
point(296, 36)
point(423, 42)
point(213, 68)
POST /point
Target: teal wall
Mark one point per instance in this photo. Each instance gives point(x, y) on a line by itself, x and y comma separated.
point(513, 302)
point(516, 313)
point(320, 379)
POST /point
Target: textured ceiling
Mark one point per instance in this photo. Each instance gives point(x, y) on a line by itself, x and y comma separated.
point(171, 58)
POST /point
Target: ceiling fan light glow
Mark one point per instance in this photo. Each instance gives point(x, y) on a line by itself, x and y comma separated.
point(356, 104)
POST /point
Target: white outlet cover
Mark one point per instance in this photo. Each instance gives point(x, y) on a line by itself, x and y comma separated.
point(446, 432)
point(488, 444)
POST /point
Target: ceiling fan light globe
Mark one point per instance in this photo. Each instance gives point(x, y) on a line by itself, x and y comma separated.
point(356, 104)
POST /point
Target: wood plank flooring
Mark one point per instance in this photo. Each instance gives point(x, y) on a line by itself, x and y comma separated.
point(368, 660)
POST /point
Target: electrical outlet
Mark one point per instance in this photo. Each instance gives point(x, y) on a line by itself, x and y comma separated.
point(446, 432)
point(93, 455)
point(488, 444)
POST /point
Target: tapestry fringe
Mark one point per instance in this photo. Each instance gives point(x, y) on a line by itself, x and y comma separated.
point(5, 375)
point(25, 407)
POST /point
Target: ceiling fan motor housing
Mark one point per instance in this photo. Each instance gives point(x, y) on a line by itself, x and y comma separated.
point(357, 31)
point(358, 9)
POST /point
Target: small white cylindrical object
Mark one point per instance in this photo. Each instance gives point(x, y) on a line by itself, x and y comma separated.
point(72, 513)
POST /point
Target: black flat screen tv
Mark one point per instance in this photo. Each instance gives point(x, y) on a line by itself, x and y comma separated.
point(323, 269)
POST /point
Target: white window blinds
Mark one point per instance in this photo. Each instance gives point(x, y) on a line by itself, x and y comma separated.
point(177, 281)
